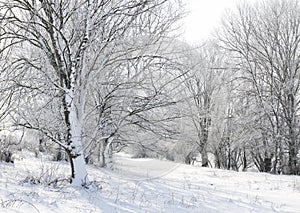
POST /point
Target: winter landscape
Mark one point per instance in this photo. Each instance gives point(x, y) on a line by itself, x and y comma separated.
point(108, 106)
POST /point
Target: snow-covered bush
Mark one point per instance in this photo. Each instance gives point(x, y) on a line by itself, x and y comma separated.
point(48, 173)
point(8, 145)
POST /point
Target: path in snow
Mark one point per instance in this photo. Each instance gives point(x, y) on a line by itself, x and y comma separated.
point(142, 168)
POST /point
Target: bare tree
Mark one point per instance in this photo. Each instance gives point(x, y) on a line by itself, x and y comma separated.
point(69, 44)
point(7, 100)
point(264, 40)
point(138, 97)
point(202, 83)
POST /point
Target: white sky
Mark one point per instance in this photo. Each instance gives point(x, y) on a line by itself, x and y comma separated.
point(203, 18)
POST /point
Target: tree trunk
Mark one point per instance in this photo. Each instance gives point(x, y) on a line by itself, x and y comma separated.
point(217, 159)
point(80, 173)
point(104, 153)
point(101, 158)
point(292, 160)
point(109, 153)
point(229, 157)
point(245, 163)
point(73, 119)
point(203, 150)
point(101, 153)
point(292, 163)
point(204, 157)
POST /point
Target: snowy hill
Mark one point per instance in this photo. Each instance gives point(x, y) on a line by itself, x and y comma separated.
point(144, 185)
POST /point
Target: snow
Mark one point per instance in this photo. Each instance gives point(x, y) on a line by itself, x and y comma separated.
point(143, 185)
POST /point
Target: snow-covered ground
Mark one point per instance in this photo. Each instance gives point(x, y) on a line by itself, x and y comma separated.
point(144, 185)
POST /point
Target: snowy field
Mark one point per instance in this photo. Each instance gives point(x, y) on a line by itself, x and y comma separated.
point(144, 185)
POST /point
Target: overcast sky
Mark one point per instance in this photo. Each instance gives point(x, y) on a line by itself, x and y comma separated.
point(204, 16)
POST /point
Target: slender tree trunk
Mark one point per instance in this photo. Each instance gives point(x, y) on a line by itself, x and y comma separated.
point(292, 160)
point(229, 157)
point(275, 163)
point(203, 151)
point(108, 153)
point(245, 163)
point(101, 157)
point(217, 158)
point(204, 157)
point(105, 152)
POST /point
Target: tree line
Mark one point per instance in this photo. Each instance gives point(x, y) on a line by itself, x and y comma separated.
point(91, 78)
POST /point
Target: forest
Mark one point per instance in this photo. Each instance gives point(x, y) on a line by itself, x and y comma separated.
point(84, 80)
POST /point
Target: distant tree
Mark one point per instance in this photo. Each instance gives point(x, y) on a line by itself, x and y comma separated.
point(203, 82)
